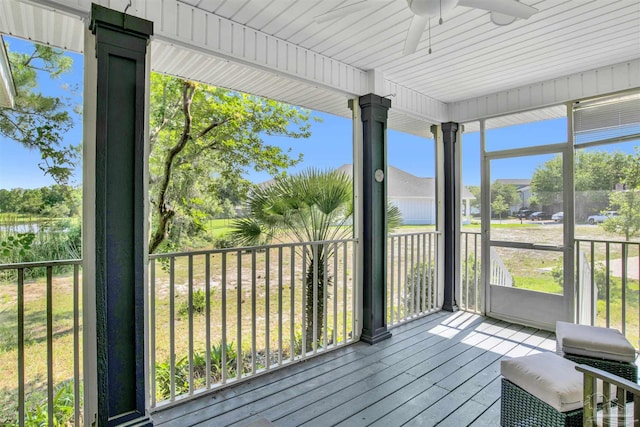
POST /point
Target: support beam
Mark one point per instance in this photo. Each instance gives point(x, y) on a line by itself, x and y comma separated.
point(451, 232)
point(374, 217)
point(119, 257)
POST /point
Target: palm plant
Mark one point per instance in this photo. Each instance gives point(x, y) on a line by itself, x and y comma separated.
point(311, 206)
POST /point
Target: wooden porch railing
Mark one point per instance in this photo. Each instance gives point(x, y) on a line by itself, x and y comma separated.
point(411, 276)
point(44, 301)
point(222, 316)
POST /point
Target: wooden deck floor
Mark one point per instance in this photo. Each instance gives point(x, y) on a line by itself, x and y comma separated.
point(440, 370)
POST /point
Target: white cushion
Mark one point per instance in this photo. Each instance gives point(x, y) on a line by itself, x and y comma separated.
point(548, 377)
point(593, 341)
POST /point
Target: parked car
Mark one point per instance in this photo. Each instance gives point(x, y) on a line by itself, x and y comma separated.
point(595, 219)
point(558, 216)
point(524, 213)
point(539, 216)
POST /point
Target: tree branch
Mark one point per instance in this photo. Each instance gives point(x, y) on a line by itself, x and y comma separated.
point(164, 211)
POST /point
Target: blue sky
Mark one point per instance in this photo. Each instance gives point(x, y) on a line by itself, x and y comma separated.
point(329, 146)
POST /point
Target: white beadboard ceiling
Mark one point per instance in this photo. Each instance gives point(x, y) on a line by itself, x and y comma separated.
point(275, 48)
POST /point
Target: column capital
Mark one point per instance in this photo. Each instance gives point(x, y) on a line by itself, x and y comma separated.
point(102, 16)
point(373, 100)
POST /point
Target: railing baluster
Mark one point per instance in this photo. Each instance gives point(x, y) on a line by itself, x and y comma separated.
point(624, 289)
point(325, 300)
point(304, 301)
point(239, 315)
point(207, 316)
point(280, 259)
point(335, 294)
point(392, 277)
point(172, 332)
point(344, 294)
point(152, 329)
point(398, 315)
point(190, 284)
point(267, 309)
point(223, 316)
point(76, 344)
point(292, 330)
point(413, 280)
point(466, 270)
point(315, 283)
point(608, 277)
point(50, 345)
point(354, 292)
point(430, 277)
point(479, 307)
point(21, 379)
point(253, 311)
point(406, 277)
point(423, 263)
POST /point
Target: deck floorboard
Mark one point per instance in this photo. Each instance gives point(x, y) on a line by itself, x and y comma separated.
point(442, 369)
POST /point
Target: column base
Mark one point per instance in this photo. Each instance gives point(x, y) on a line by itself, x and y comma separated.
point(380, 335)
point(452, 308)
point(145, 421)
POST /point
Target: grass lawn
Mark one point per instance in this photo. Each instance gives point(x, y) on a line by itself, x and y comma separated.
point(218, 227)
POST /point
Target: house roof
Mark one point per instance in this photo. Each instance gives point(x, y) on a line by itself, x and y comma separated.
point(401, 184)
point(517, 182)
point(7, 89)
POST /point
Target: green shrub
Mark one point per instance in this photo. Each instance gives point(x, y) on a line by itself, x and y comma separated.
point(181, 369)
point(224, 241)
point(199, 304)
point(36, 408)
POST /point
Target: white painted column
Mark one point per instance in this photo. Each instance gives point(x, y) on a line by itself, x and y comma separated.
point(89, 352)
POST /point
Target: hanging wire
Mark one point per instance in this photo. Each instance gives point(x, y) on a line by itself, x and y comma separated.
point(429, 35)
point(441, 21)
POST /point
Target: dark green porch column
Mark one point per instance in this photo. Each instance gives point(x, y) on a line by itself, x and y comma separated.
point(120, 240)
point(451, 216)
point(374, 217)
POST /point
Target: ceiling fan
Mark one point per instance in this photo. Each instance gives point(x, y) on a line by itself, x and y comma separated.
point(503, 12)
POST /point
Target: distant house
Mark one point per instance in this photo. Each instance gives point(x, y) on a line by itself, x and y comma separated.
point(414, 196)
point(523, 186)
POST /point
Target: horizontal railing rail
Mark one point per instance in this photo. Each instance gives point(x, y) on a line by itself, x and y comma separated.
point(45, 346)
point(221, 316)
point(470, 291)
point(608, 285)
point(412, 276)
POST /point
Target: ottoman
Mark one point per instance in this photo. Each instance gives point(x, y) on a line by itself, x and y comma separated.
point(602, 348)
point(540, 390)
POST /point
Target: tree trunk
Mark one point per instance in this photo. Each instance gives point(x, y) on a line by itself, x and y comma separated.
point(318, 263)
point(164, 212)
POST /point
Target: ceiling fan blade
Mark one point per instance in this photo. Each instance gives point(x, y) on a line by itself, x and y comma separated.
point(506, 7)
point(418, 24)
point(342, 11)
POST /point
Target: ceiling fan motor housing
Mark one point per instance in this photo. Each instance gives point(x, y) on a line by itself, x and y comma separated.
point(431, 7)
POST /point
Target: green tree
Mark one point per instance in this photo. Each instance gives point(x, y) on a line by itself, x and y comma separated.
point(203, 138)
point(499, 206)
point(627, 201)
point(310, 206)
point(596, 175)
point(37, 121)
point(507, 192)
